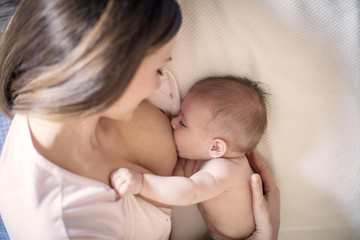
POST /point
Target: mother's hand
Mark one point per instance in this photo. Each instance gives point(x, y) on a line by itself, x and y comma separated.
point(266, 203)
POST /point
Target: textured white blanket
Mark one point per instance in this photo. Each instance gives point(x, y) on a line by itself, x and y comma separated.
point(308, 54)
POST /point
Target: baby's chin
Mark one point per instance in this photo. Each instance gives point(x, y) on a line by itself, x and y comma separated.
point(189, 156)
point(179, 153)
point(184, 156)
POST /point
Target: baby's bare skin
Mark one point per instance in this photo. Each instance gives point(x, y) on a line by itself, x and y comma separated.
point(220, 186)
point(220, 181)
point(224, 213)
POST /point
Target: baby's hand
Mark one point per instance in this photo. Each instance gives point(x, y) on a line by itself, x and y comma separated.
point(124, 180)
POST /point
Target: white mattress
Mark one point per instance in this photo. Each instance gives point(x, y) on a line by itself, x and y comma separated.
point(308, 54)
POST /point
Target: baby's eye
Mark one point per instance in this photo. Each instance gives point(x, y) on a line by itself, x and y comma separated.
point(182, 124)
point(160, 72)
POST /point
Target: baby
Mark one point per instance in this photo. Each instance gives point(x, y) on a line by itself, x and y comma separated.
point(221, 119)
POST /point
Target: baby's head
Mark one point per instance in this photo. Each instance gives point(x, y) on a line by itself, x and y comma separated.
point(220, 117)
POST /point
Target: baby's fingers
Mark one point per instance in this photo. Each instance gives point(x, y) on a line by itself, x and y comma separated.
point(124, 188)
point(120, 180)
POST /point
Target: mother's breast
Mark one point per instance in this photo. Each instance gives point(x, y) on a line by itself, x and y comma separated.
point(148, 140)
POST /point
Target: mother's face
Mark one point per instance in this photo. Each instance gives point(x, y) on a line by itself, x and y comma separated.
point(145, 81)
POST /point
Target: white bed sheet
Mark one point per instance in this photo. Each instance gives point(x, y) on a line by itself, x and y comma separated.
point(308, 54)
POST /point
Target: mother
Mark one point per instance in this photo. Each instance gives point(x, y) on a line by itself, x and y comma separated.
point(74, 75)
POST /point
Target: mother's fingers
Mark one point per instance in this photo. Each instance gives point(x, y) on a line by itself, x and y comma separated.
point(249, 156)
point(256, 163)
point(259, 167)
point(257, 194)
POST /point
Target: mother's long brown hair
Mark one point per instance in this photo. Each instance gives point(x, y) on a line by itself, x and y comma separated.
point(61, 59)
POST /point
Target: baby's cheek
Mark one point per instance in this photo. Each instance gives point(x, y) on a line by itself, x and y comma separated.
point(177, 141)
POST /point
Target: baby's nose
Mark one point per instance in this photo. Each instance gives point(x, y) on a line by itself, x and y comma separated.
point(174, 122)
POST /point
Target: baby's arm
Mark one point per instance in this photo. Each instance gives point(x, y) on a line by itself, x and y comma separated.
point(205, 184)
point(187, 167)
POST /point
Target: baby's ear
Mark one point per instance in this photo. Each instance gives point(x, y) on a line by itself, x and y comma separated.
point(218, 148)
